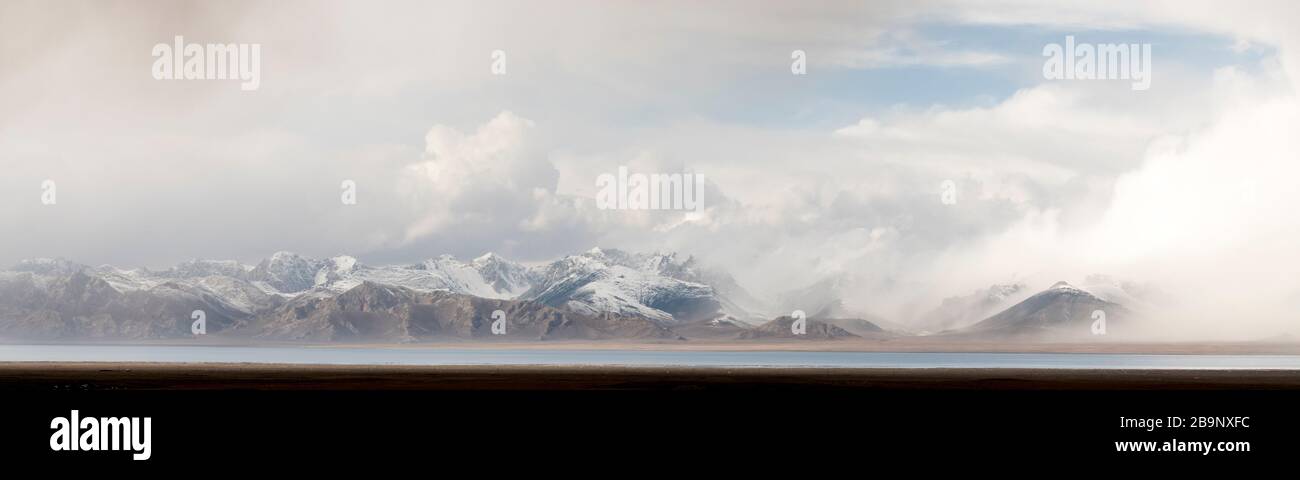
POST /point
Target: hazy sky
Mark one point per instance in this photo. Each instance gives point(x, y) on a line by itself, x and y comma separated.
point(1189, 185)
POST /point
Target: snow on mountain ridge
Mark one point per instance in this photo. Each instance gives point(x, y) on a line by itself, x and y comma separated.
point(654, 285)
point(205, 268)
point(47, 266)
point(505, 277)
point(287, 272)
point(665, 287)
point(1062, 310)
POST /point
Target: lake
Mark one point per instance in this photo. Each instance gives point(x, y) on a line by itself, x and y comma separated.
point(745, 359)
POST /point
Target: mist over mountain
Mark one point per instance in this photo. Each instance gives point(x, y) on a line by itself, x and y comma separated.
point(962, 311)
point(781, 327)
point(1062, 311)
point(1188, 185)
point(825, 300)
point(596, 294)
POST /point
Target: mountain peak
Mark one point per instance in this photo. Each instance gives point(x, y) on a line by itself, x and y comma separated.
point(1062, 309)
point(343, 263)
point(283, 255)
point(48, 266)
point(1066, 287)
point(287, 272)
point(203, 268)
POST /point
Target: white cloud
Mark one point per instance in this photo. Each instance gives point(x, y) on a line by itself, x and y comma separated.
point(490, 175)
point(1186, 184)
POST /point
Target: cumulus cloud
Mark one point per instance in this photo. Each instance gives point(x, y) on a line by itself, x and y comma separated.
point(1186, 185)
point(489, 176)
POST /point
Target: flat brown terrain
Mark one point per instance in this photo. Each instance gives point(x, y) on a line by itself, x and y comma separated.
point(900, 344)
point(45, 376)
point(896, 344)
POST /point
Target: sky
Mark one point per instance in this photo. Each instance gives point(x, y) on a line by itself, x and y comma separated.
point(1188, 186)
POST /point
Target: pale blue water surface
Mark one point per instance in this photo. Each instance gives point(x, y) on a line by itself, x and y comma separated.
point(482, 356)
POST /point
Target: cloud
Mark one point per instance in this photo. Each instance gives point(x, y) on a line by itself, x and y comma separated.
point(489, 176)
point(1205, 216)
point(906, 48)
point(1184, 185)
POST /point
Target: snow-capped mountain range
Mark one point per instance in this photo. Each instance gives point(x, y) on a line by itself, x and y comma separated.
point(665, 288)
point(599, 293)
point(488, 276)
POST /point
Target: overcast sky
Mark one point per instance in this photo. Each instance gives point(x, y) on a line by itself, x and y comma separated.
point(1189, 185)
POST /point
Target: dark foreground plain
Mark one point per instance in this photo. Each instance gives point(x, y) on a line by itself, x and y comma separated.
point(93, 376)
point(506, 421)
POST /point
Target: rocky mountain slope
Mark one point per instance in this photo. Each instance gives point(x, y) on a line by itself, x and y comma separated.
point(659, 286)
point(782, 327)
point(597, 294)
point(372, 311)
point(963, 311)
point(593, 295)
point(1063, 311)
